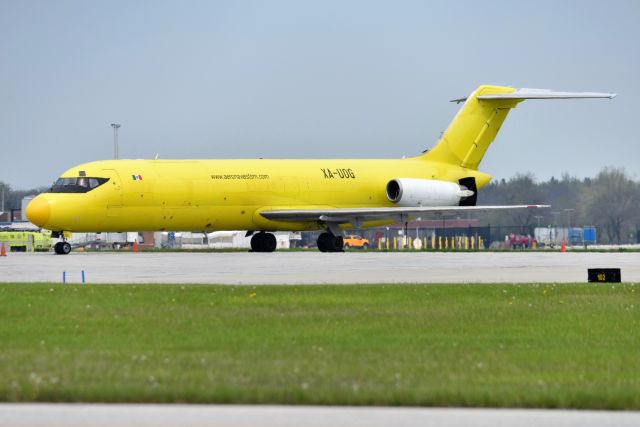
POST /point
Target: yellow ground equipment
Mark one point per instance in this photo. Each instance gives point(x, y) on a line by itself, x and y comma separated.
point(26, 241)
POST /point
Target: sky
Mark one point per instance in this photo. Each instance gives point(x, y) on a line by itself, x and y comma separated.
point(311, 79)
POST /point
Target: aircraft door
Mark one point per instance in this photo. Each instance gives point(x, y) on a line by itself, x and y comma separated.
point(114, 191)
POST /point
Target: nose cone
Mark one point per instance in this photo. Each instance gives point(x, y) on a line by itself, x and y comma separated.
point(39, 211)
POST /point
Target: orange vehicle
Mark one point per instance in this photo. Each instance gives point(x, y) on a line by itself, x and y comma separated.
point(355, 241)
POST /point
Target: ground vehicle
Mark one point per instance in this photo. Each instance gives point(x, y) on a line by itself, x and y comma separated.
point(519, 241)
point(25, 241)
point(355, 241)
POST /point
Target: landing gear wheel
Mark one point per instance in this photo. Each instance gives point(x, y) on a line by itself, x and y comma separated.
point(62, 248)
point(256, 242)
point(270, 242)
point(263, 242)
point(327, 242)
point(338, 244)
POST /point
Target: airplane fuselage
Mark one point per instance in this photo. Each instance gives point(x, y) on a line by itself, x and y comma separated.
point(207, 195)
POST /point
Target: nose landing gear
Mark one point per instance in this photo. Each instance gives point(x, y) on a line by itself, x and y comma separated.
point(328, 242)
point(263, 242)
point(62, 248)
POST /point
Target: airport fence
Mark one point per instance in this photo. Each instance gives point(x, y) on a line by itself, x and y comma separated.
point(427, 238)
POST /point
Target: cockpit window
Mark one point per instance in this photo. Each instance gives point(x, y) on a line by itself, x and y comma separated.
point(81, 184)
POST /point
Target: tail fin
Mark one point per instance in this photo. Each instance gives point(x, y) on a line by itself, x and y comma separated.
point(477, 123)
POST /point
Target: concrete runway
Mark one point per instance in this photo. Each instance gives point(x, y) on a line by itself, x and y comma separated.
point(97, 415)
point(315, 267)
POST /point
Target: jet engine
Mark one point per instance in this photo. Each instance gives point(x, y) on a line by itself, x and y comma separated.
point(411, 192)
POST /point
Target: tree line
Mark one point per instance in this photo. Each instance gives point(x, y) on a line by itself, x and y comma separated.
point(610, 201)
point(13, 198)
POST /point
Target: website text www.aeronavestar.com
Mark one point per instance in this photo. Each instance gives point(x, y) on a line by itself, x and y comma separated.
point(241, 176)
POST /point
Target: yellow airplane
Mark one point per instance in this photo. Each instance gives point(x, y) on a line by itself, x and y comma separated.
point(294, 195)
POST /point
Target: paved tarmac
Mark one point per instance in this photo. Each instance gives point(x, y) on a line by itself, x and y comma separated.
point(97, 415)
point(315, 267)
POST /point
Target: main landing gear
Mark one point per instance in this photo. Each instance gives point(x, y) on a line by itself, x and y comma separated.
point(263, 242)
point(266, 242)
point(328, 242)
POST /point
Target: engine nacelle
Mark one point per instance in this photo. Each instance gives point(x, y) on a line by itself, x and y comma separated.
point(411, 192)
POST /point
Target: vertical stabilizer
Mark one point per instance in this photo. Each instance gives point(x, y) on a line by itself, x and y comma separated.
point(477, 123)
point(473, 129)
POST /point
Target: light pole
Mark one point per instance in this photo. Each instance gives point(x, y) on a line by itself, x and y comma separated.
point(115, 127)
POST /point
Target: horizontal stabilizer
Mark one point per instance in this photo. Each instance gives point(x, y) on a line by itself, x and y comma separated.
point(524, 93)
point(545, 94)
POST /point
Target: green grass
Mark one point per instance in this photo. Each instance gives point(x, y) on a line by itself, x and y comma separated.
point(570, 346)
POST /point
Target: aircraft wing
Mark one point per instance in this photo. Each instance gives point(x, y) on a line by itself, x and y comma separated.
point(356, 216)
